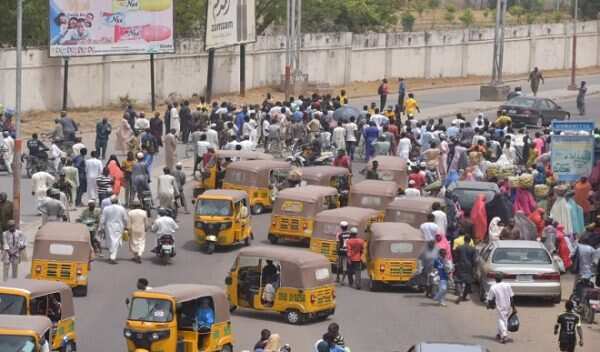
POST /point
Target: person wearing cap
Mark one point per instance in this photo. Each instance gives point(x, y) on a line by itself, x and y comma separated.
point(167, 189)
point(113, 221)
point(13, 250)
point(91, 215)
point(342, 237)
point(502, 296)
point(180, 178)
point(212, 136)
point(412, 190)
point(356, 247)
point(137, 223)
point(140, 178)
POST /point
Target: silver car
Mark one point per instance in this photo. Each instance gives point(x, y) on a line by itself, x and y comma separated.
point(527, 267)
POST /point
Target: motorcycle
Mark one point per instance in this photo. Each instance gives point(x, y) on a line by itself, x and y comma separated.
point(212, 236)
point(586, 299)
point(166, 248)
point(298, 159)
point(147, 203)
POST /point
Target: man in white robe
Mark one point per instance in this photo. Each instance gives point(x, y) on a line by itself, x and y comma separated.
point(9, 144)
point(167, 189)
point(93, 169)
point(502, 294)
point(40, 182)
point(137, 224)
point(113, 221)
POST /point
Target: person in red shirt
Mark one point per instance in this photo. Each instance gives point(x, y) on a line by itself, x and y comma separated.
point(342, 160)
point(356, 247)
point(418, 178)
point(537, 217)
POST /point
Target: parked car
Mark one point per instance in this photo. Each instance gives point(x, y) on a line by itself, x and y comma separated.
point(446, 347)
point(527, 267)
point(467, 192)
point(533, 111)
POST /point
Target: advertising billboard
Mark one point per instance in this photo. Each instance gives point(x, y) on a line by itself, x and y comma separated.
point(110, 27)
point(572, 157)
point(230, 22)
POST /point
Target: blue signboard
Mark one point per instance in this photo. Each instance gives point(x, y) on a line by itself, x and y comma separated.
point(561, 126)
point(572, 157)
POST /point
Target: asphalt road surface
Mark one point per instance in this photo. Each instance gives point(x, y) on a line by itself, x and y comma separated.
point(383, 321)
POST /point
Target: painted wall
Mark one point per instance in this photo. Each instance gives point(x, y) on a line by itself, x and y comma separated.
point(335, 58)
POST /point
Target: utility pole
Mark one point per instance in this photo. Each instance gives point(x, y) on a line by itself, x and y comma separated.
point(496, 90)
point(18, 141)
point(573, 85)
point(293, 45)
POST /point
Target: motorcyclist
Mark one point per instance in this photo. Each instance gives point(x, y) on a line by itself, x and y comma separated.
point(37, 151)
point(164, 225)
point(90, 217)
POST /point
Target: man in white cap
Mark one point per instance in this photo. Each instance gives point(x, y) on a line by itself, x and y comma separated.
point(167, 189)
point(412, 190)
point(113, 221)
point(137, 221)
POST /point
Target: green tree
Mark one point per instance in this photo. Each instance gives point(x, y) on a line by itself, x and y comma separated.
point(433, 4)
point(467, 18)
point(420, 6)
point(35, 22)
point(190, 18)
point(589, 9)
point(450, 14)
point(517, 11)
point(557, 16)
point(531, 17)
point(408, 21)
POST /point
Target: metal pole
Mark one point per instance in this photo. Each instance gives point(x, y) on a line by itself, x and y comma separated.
point(573, 85)
point(209, 74)
point(65, 84)
point(288, 51)
point(298, 33)
point(243, 70)
point(501, 43)
point(496, 40)
point(152, 87)
point(18, 142)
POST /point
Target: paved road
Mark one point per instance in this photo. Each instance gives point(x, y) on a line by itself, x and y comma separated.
point(382, 322)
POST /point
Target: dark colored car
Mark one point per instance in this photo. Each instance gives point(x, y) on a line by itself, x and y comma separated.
point(467, 192)
point(446, 347)
point(533, 111)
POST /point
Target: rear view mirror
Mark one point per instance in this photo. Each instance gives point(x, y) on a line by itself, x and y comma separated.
point(228, 281)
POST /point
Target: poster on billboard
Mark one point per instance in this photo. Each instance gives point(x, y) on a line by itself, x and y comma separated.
point(110, 27)
point(230, 22)
point(572, 156)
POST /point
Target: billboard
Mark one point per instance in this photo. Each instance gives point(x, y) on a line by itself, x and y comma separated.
point(572, 156)
point(110, 27)
point(230, 22)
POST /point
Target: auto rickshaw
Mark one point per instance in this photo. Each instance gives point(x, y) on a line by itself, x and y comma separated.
point(393, 255)
point(24, 333)
point(261, 179)
point(221, 218)
point(51, 299)
point(392, 168)
point(338, 177)
point(295, 209)
point(224, 158)
point(373, 194)
point(327, 225)
point(165, 319)
point(62, 252)
point(293, 282)
point(411, 210)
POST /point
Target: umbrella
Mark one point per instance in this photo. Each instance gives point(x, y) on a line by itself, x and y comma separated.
point(345, 112)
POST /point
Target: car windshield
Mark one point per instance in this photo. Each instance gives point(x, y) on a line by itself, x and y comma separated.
point(151, 310)
point(214, 207)
point(14, 343)
point(522, 102)
point(12, 304)
point(521, 256)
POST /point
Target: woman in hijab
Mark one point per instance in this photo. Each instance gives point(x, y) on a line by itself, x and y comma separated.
point(495, 229)
point(114, 170)
point(537, 217)
point(524, 201)
point(479, 218)
point(563, 248)
point(442, 243)
point(582, 193)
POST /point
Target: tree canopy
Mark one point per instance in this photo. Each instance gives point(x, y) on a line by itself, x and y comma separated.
point(317, 16)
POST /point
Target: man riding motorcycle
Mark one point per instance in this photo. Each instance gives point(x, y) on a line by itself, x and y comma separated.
point(37, 152)
point(164, 225)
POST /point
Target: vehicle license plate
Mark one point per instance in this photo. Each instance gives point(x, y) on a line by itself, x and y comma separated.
point(524, 278)
point(167, 247)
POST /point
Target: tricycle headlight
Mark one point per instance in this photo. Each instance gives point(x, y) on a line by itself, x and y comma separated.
point(155, 336)
point(127, 333)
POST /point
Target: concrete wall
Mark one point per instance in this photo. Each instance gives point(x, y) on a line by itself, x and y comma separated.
point(335, 58)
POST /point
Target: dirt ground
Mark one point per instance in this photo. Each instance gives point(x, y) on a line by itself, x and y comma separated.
point(43, 121)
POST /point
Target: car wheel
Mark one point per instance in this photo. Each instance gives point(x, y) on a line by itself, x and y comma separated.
point(556, 299)
point(227, 348)
point(294, 317)
point(273, 239)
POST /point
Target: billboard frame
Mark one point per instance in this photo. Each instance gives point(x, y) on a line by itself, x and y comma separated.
point(228, 45)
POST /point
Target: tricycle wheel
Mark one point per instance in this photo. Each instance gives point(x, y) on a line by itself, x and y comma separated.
point(80, 291)
point(227, 348)
point(232, 308)
point(69, 347)
point(374, 286)
point(210, 247)
point(247, 240)
point(294, 317)
point(273, 239)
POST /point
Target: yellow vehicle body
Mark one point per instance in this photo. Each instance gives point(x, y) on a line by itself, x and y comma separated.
point(373, 194)
point(304, 291)
point(259, 179)
point(394, 251)
point(33, 294)
point(33, 330)
point(295, 209)
point(327, 226)
point(229, 227)
point(207, 182)
point(63, 252)
point(167, 335)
